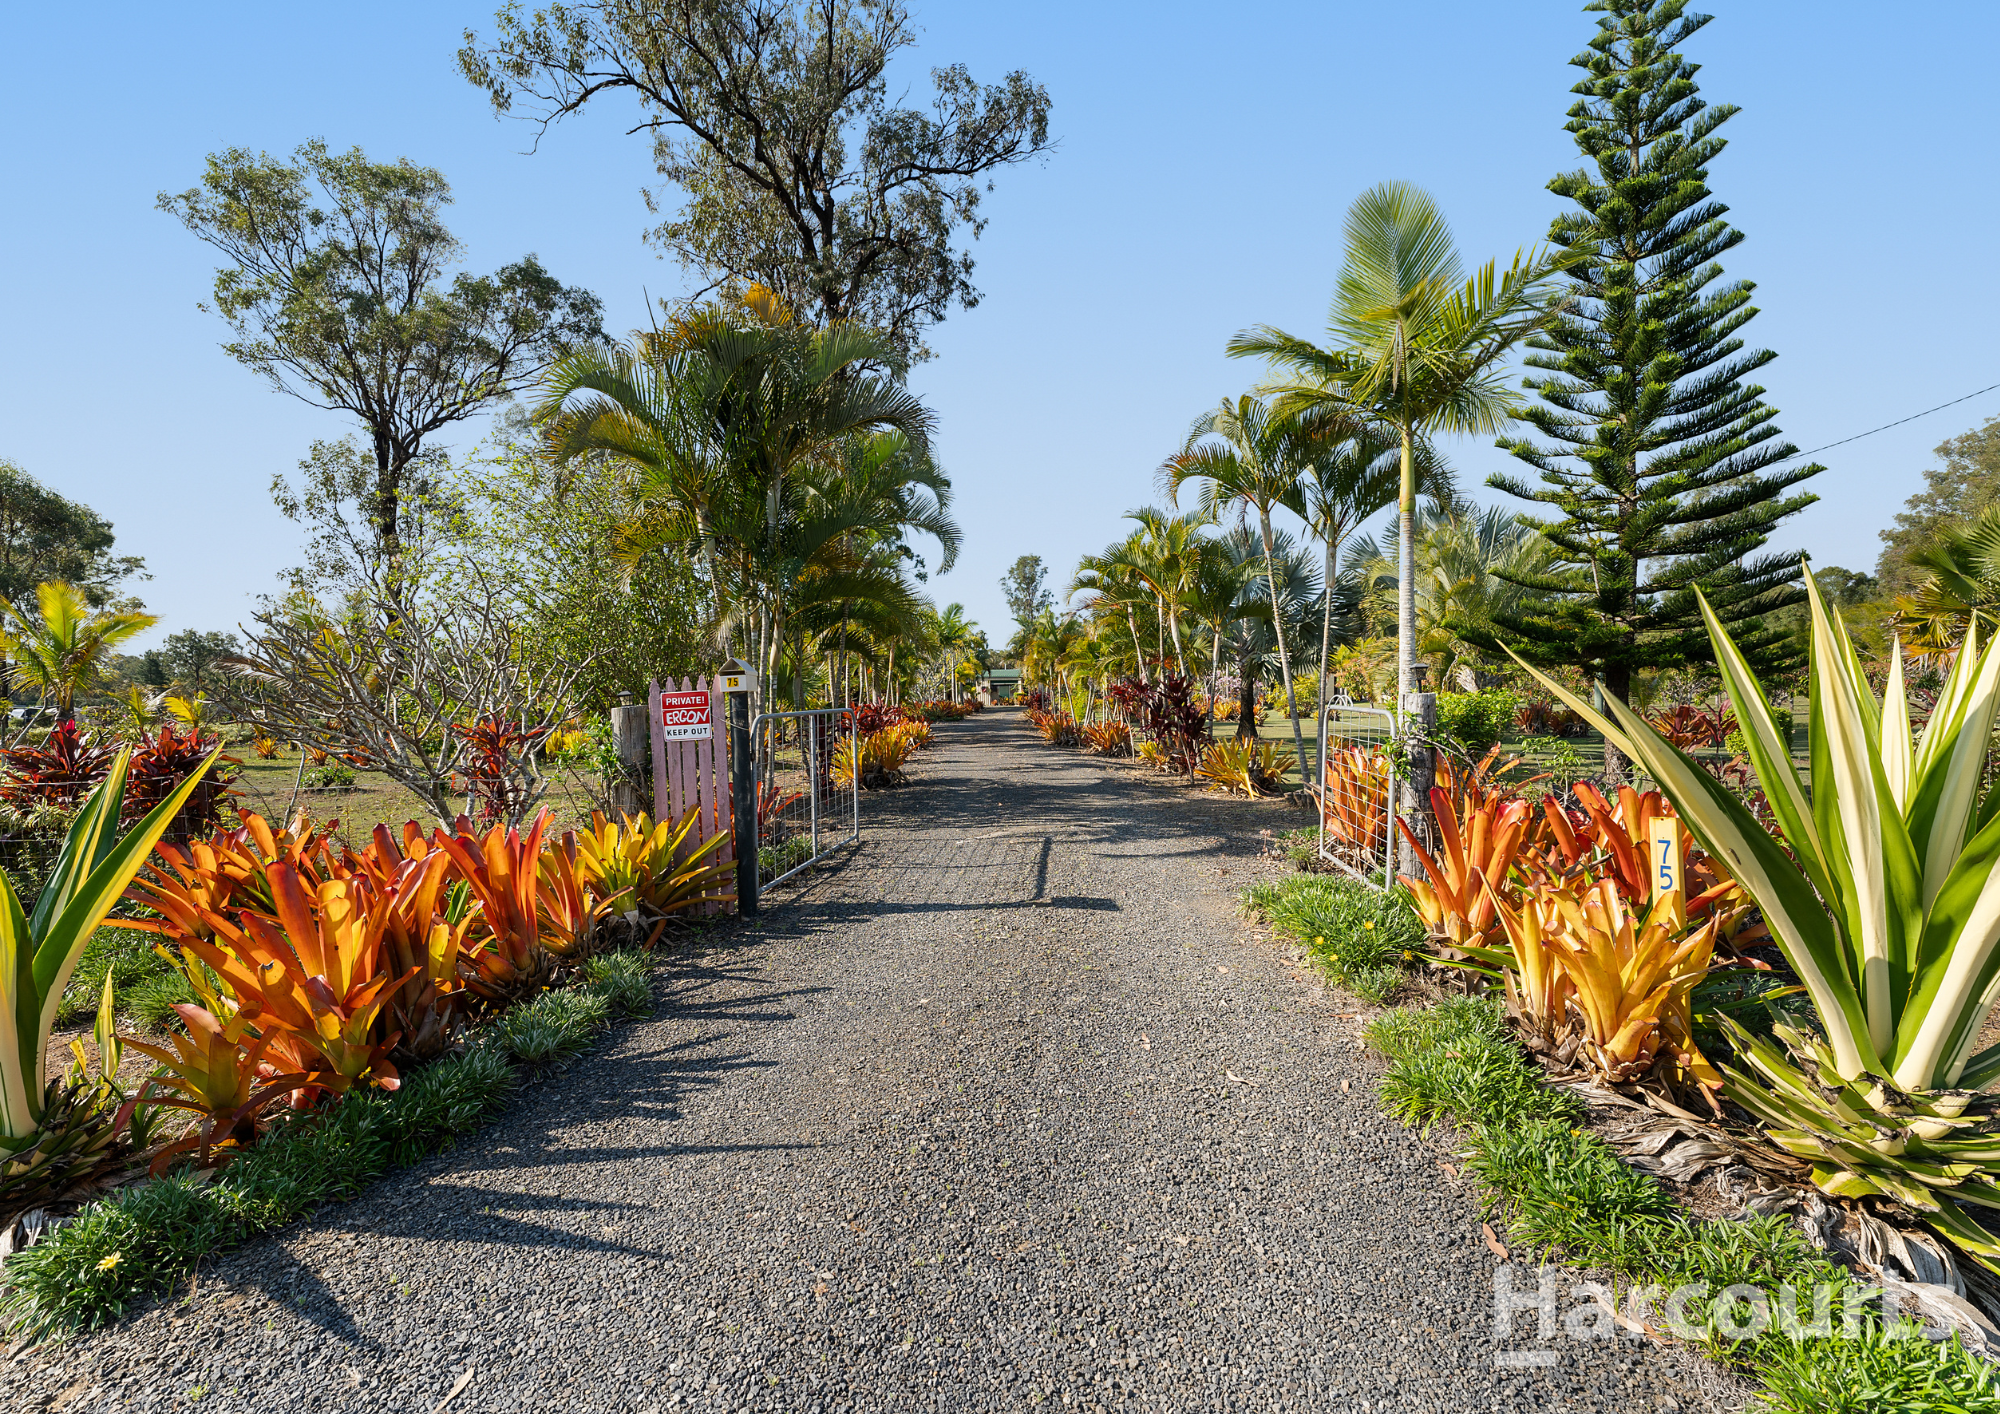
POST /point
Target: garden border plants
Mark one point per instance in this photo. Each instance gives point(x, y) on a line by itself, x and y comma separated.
point(142, 1241)
point(1560, 1190)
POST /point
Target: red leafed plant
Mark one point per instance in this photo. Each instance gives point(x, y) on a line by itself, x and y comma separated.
point(1685, 725)
point(59, 772)
point(494, 776)
point(772, 803)
point(161, 763)
point(871, 717)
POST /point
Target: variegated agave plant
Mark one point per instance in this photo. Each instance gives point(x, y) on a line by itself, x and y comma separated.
point(1890, 916)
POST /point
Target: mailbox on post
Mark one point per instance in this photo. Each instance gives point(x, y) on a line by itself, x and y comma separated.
point(738, 682)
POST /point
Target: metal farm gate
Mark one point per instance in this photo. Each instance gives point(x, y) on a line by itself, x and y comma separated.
point(804, 810)
point(1357, 780)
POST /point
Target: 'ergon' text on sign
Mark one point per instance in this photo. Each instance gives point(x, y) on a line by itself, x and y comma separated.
point(685, 716)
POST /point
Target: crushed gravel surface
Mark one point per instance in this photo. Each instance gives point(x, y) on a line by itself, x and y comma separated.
point(1008, 1110)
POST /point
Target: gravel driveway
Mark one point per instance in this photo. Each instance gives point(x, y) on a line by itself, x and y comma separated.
point(1009, 1110)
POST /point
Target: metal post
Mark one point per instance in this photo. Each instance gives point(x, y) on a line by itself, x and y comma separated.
point(743, 791)
point(1419, 728)
point(855, 737)
point(811, 725)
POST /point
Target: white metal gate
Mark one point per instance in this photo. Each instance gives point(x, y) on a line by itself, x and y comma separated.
point(1357, 790)
point(803, 812)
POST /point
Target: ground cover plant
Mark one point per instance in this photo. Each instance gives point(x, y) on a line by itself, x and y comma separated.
point(1355, 934)
point(1562, 1192)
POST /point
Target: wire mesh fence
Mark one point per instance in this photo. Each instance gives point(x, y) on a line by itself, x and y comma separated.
point(1357, 790)
point(807, 806)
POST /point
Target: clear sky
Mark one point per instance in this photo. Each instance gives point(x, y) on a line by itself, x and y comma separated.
point(1207, 156)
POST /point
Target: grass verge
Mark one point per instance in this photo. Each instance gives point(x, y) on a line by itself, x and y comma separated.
point(145, 1239)
point(1562, 1191)
point(1354, 934)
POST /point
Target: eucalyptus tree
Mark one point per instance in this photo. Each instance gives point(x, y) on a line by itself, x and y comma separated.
point(1412, 342)
point(339, 291)
point(790, 163)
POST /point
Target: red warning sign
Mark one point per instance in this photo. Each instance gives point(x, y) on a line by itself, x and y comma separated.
point(686, 716)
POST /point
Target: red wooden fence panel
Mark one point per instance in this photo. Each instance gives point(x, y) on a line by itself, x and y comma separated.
point(694, 775)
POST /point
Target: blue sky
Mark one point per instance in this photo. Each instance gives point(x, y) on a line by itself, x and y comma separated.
point(1207, 156)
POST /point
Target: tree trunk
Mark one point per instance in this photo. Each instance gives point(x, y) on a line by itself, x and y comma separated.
point(1138, 648)
point(1406, 573)
point(1616, 682)
point(1246, 699)
point(1284, 658)
point(1326, 618)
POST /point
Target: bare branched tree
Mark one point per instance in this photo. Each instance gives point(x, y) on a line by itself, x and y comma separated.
point(398, 685)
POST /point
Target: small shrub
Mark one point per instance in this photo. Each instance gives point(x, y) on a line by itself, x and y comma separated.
point(555, 1027)
point(1473, 721)
point(335, 775)
point(1458, 1060)
point(1884, 1369)
point(1561, 1189)
point(622, 979)
point(144, 1239)
point(151, 1000)
point(776, 859)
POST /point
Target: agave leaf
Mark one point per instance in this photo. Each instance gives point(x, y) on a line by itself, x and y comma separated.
point(1874, 860)
point(1943, 803)
point(1769, 747)
point(1958, 969)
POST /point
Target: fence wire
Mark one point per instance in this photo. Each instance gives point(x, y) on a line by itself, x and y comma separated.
point(804, 812)
point(1357, 790)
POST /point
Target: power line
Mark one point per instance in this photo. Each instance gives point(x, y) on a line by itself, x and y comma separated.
point(1887, 425)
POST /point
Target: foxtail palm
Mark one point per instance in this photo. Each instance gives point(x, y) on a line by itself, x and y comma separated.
point(1114, 583)
point(1248, 459)
point(1413, 343)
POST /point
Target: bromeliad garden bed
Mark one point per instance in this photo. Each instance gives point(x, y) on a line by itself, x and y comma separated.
point(323, 1014)
point(1725, 1040)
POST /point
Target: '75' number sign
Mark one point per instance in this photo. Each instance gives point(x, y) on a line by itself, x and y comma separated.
point(685, 716)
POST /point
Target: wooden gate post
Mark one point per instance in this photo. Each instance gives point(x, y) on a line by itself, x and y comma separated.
point(1417, 730)
point(631, 741)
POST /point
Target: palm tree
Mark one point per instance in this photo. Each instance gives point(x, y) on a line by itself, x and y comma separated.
point(1351, 479)
point(1163, 555)
point(1115, 585)
point(1219, 598)
point(1413, 344)
point(741, 420)
point(1961, 589)
point(61, 651)
point(1465, 558)
point(1250, 632)
point(1247, 458)
point(951, 630)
